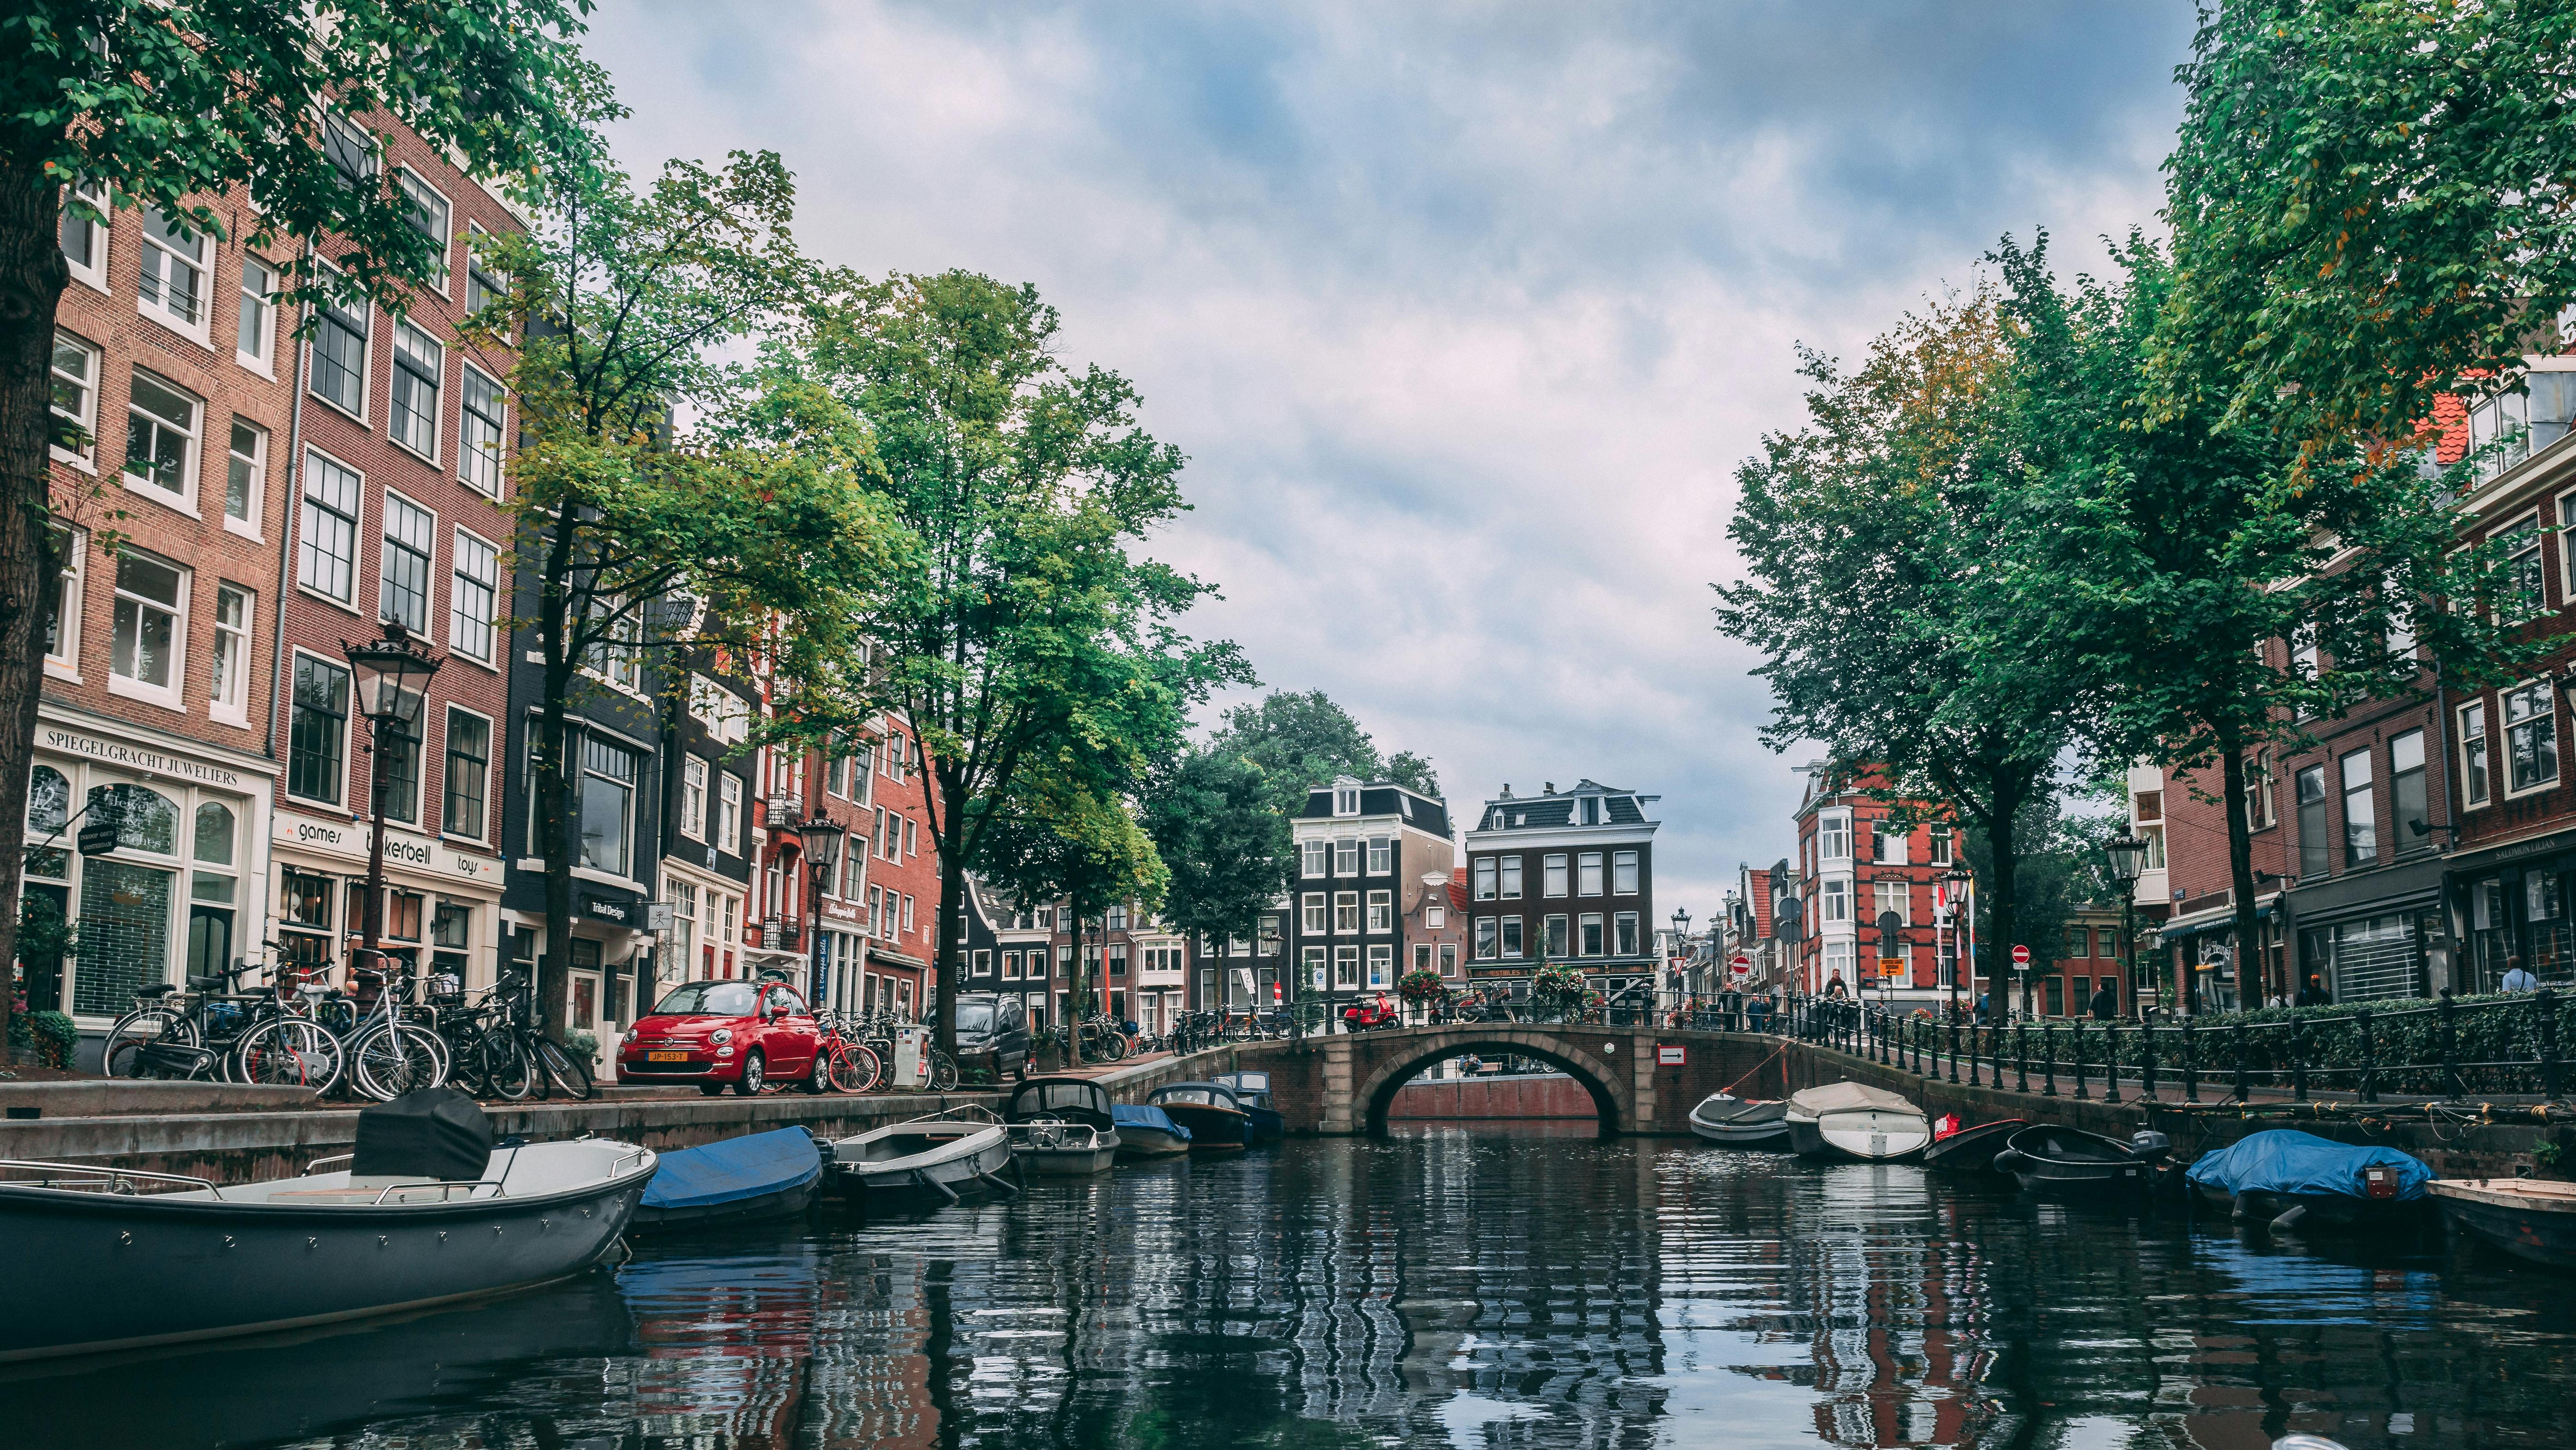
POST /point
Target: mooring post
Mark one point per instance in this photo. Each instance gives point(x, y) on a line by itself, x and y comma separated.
point(2048, 1059)
point(2080, 1090)
point(2369, 1056)
point(2021, 1057)
point(2451, 1047)
point(2111, 1063)
point(2545, 1002)
point(2190, 1065)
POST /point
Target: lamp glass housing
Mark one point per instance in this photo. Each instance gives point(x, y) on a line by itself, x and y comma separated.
point(390, 675)
point(2128, 857)
point(822, 837)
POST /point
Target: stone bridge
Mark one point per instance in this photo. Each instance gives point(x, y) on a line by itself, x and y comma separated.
point(1343, 1083)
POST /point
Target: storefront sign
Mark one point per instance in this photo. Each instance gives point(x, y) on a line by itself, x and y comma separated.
point(142, 758)
point(839, 912)
point(404, 851)
point(609, 909)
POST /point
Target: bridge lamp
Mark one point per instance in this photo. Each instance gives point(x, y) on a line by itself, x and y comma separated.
point(2127, 854)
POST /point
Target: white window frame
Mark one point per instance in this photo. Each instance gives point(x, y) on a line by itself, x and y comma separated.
point(1313, 917)
point(1591, 874)
point(1381, 855)
point(168, 254)
point(1346, 801)
point(1555, 876)
point(1381, 911)
point(476, 273)
point(1900, 843)
point(257, 307)
point(729, 814)
point(413, 370)
point(389, 510)
point(1833, 835)
point(228, 666)
point(1511, 873)
point(1624, 868)
point(479, 462)
point(464, 543)
point(1902, 896)
point(355, 521)
point(2546, 721)
point(85, 462)
point(2477, 757)
point(130, 686)
point(1833, 900)
point(95, 193)
point(693, 797)
point(255, 466)
point(1314, 859)
point(1346, 856)
point(192, 446)
point(409, 183)
point(63, 662)
point(1485, 878)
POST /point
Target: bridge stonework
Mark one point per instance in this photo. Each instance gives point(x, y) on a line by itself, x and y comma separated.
point(1343, 1084)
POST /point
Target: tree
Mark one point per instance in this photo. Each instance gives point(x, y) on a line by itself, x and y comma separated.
point(1018, 632)
point(1868, 539)
point(2057, 873)
point(2370, 200)
point(151, 105)
point(669, 505)
point(1062, 840)
point(1226, 847)
point(1300, 741)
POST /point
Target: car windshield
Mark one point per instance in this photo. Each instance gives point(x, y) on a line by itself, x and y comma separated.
point(974, 1016)
point(709, 999)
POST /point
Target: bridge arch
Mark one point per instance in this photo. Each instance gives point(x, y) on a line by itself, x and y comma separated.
point(1400, 1055)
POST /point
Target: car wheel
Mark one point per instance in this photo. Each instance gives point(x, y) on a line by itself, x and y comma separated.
point(754, 1075)
point(712, 1089)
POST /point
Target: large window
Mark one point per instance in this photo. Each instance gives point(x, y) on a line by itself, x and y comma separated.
point(172, 285)
point(63, 619)
point(245, 472)
point(2530, 738)
point(2360, 811)
point(1484, 873)
point(1556, 936)
point(340, 356)
point(1346, 912)
point(1834, 901)
point(1893, 897)
point(1624, 933)
point(1487, 939)
point(255, 329)
point(469, 762)
point(83, 230)
point(427, 212)
point(729, 814)
point(1587, 874)
point(2408, 820)
point(161, 426)
point(317, 731)
point(1381, 855)
point(1312, 918)
point(484, 283)
point(1553, 874)
point(397, 763)
point(151, 614)
point(228, 683)
point(1381, 911)
point(479, 438)
point(1623, 873)
point(1833, 835)
point(1588, 934)
point(1346, 856)
point(402, 575)
point(693, 799)
point(2315, 859)
point(473, 601)
point(2523, 595)
point(1346, 966)
point(75, 398)
point(419, 365)
point(326, 556)
point(1512, 937)
point(607, 804)
point(1314, 857)
point(2258, 792)
point(2473, 753)
point(1511, 877)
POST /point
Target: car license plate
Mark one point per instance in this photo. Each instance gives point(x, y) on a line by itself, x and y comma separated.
point(666, 1057)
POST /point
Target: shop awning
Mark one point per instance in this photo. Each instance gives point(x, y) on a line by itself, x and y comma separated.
point(2168, 934)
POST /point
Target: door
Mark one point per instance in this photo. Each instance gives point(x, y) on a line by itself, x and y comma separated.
point(42, 951)
point(789, 1039)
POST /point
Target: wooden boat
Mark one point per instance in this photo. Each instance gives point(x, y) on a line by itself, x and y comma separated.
point(1145, 1131)
point(1252, 1093)
point(1738, 1123)
point(2289, 1180)
point(2072, 1162)
point(942, 1156)
point(739, 1180)
point(1062, 1126)
point(1972, 1150)
point(427, 1211)
point(1215, 1118)
point(1853, 1120)
point(2525, 1217)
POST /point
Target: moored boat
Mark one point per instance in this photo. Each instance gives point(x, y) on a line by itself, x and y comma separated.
point(738, 1180)
point(1062, 1126)
point(1216, 1120)
point(943, 1156)
point(1252, 1094)
point(1971, 1149)
point(427, 1211)
point(2071, 1162)
point(1146, 1131)
point(2292, 1180)
point(2525, 1217)
point(1854, 1120)
point(1740, 1123)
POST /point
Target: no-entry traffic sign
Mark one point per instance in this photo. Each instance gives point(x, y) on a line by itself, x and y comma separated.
point(2021, 956)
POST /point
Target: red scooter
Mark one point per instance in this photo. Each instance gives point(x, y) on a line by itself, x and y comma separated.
point(1370, 1012)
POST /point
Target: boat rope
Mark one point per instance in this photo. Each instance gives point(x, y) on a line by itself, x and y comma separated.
point(1757, 1067)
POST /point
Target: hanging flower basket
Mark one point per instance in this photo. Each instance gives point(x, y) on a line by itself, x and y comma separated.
point(1557, 987)
point(1421, 985)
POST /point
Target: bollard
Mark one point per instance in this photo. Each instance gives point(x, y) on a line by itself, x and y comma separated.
point(1954, 1049)
point(2147, 1055)
point(2048, 1059)
point(2369, 1088)
point(1995, 1044)
point(2451, 1047)
point(2080, 1090)
point(2298, 1064)
point(2111, 1062)
point(2190, 1065)
point(2021, 1057)
point(2237, 1033)
point(2545, 1002)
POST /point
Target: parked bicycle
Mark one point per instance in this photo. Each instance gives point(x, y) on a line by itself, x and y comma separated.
point(843, 1063)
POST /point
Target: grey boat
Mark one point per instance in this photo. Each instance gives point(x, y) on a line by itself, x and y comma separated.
point(1737, 1123)
point(1062, 1126)
point(1854, 1120)
point(942, 1156)
point(105, 1258)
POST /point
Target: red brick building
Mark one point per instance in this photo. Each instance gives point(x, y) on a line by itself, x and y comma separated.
point(1855, 867)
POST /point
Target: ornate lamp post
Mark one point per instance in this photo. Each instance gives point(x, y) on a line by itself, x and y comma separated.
point(1955, 881)
point(2128, 858)
point(822, 837)
point(390, 675)
point(1681, 935)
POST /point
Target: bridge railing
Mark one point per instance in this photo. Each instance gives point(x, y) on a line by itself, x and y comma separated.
point(2505, 1045)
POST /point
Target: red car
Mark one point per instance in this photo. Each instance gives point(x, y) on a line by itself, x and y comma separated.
point(1370, 1012)
point(748, 1034)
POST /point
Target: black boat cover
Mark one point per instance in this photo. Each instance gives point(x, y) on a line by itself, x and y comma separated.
point(436, 1134)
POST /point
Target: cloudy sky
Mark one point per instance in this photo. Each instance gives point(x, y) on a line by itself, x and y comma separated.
point(1464, 314)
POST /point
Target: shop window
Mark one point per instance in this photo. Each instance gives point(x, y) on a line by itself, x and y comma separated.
point(145, 819)
point(49, 808)
point(125, 933)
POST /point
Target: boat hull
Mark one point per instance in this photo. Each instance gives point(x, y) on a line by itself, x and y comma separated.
point(1742, 1125)
point(970, 1165)
point(1973, 1150)
point(1212, 1129)
point(94, 1272)
point(1062, 1150)
point(1868, 1135)
point(786, 1202)
point(2067, 1163)
point(1135, 1143)
point(2531, 1221)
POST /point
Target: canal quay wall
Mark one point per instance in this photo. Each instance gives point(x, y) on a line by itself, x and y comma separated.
point(1515, 1099)
point(235, 1135)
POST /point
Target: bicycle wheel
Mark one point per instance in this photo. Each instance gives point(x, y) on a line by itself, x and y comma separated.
point(289, 1052)
point(943, 1072)
point(855, 1069)
point(565, 1071)
point(465, 1066)
point(505, 1067)
point(389, 1060)
point(123, 1053)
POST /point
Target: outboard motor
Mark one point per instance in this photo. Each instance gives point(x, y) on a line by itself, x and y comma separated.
point(2150, 1146)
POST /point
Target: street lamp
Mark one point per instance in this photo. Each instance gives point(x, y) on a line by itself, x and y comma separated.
point(1681, 938)
point(2128, 857)
point(1955, 880)
point(822, 837)
point(390, 676)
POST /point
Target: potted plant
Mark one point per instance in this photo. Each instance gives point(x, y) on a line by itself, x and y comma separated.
point(1557, 988)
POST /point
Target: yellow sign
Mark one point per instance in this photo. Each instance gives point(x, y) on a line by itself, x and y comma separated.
point(1891, 967)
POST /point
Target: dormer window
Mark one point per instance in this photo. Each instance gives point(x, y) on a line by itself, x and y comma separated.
point(1592, 810)
point(1346, 800)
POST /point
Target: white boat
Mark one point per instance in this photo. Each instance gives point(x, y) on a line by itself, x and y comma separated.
point(1062, 1125)
point(1738, 1123)
point(941, 1155)
point(1853, 1120)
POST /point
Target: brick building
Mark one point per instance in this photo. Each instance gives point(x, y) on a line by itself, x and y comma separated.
point(1563, 877)
point(1856, 868)
point(1374, 863)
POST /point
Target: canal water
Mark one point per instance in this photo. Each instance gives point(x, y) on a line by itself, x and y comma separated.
point(1444, 1287)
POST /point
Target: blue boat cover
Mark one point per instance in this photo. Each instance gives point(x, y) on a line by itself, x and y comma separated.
point(1130, 1114)
point(2286, 1161)
point(734, 1169)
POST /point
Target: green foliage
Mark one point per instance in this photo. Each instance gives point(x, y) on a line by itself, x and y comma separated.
point(1557, 988)
point(1421, 984)
point(1303, 740)
point(2059, 871)
point(1226, 849)
point(2370, 200)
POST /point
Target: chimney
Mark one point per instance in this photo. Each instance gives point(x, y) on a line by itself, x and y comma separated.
point(1507, 790)
point(1551, 787)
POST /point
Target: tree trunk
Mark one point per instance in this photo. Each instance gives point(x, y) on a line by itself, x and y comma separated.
point(2240, 875)
point(32, 277)
point(553, 986)
point(952, 901)
point(2005, 837)
point(1074, 998)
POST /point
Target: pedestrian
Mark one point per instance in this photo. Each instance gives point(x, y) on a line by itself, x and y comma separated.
point(2106, 1002)
point(1834, 986)
point(1985, 1010)
point(2518, 978)
point(1760, 1012)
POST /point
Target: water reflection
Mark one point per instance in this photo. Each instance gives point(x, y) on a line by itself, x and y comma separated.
point(1441, 1288)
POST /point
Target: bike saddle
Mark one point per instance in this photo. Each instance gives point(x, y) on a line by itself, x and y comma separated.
point(156, 989)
